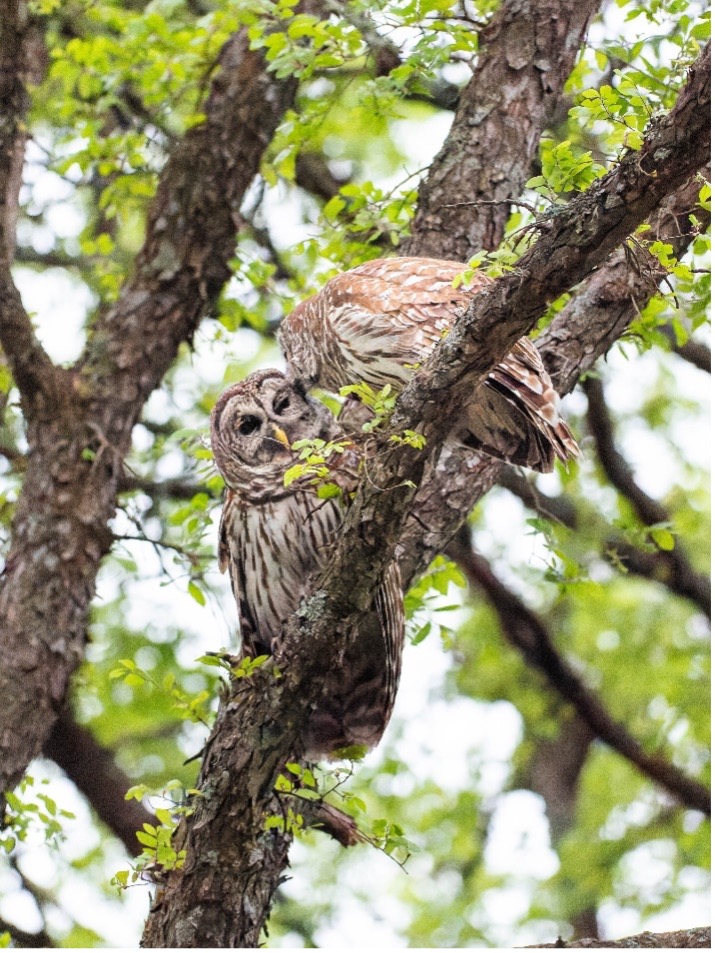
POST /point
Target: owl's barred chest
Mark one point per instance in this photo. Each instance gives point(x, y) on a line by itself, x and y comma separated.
point(279, 544)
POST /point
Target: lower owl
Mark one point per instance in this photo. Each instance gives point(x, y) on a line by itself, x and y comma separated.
point(273, 538)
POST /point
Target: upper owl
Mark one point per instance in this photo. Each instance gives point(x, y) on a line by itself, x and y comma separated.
point(375, 322)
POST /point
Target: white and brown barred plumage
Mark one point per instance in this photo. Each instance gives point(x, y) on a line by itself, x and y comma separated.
point(375, 322)
point(273, 537)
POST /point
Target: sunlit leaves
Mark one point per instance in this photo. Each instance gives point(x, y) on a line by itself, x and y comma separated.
point(32, 811)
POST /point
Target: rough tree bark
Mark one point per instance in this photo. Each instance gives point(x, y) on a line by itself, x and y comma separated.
point(697, 938)
point(259, 722)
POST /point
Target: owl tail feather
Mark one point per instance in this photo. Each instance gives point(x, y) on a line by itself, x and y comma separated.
point(515, 423)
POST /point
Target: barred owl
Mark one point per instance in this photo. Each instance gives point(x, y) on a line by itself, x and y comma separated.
point(375, 322)
point(273, 537)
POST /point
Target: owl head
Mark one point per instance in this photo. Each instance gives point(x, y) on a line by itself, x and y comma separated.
point(255, 423)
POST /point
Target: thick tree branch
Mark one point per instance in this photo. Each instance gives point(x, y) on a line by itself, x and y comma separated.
point(576, 240)
point(527, 52)
point(527, 633)
point(596, 316)
point(579, 237)
point(604, 306)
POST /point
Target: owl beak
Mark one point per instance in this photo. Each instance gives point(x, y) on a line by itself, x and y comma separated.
point(281, 437)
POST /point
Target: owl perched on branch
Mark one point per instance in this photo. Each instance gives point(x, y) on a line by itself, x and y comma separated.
point(376, 322)
point(273, 537)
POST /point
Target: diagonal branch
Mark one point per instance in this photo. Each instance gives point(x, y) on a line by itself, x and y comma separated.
point(695, 352)
point(529, 635)
point(579, 238)
point(595, 317)
point(648, 510)
point(576, 240)
point(614, 464)
point(95, 773)
point(259, 724)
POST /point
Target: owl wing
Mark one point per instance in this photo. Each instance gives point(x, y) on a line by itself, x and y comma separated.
point(523, 381)
point(383, 318)
point(359, 695)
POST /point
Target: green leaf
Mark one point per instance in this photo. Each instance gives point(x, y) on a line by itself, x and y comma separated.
point(196, 593)
point(663, 538)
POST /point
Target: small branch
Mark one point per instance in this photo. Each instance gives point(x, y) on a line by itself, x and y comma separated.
point(695, 352)
point(695, 938)
point(527, 633)
point(313, 174)
point(658, 566)
point(648, 510)
point(180, 488)
point(330, 819)
point(95, 773)
point(52, 259)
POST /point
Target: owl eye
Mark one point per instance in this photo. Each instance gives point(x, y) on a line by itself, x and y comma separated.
point(248, 424)
point(281, 404)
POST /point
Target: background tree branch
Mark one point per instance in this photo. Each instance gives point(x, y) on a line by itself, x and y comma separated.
point(596, 316)
point(527, 633)
point(657, 565)
point(96, 774)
